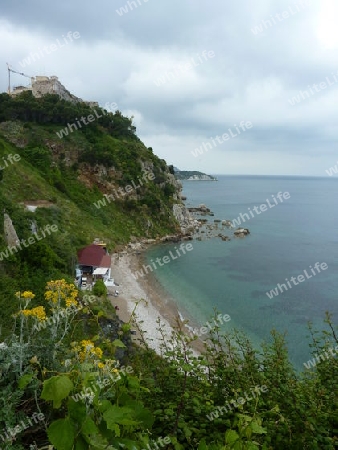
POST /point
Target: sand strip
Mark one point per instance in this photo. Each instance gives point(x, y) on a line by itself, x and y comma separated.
point(132, 290)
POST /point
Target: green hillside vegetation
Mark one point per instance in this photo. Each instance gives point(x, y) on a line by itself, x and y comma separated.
point(63, 172)
point(70, 375)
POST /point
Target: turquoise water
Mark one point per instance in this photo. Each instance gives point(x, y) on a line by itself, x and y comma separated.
point(284, 241)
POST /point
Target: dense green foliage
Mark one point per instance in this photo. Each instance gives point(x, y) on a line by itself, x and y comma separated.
point(229, 397)
point(100, 289)
point(50, 109)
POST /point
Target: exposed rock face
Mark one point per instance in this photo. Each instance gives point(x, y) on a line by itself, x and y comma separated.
point(200, 178)
point(177, 185)
point(187, 223)
point(201, 210)
point(10, 234)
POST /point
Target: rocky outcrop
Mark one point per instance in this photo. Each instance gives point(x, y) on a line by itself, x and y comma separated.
point(241, 232)
point(187, 222)
point(201, 178)
point(11, 237)
point(201, 210)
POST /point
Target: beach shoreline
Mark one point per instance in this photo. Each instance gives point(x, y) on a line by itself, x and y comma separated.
point(156, 302)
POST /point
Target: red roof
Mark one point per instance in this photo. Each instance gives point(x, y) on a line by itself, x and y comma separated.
point(94, 255)
point(106, 261)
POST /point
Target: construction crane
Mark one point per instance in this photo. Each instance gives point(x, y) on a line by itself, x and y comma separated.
point(9, 77)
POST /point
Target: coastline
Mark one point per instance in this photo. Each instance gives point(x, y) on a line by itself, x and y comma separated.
point(132, 290)
point(157, 304)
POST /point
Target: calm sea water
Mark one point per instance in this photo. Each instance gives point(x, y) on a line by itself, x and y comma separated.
point(284, 241)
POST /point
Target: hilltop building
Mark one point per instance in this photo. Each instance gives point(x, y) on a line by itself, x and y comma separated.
point(41, 85)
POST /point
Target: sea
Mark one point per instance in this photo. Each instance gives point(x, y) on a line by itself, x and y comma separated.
point(234, 276)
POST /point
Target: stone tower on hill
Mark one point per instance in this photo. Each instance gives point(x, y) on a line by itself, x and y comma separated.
point(41, 86)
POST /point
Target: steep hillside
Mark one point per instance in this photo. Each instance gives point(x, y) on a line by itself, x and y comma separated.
point(97, 181)
point(74, 173)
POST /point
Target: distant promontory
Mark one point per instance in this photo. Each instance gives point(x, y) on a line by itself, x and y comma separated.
point(192, 175)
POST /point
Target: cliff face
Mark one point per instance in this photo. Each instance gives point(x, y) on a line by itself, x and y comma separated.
point(201, 177)
point(101, 178)
point(187, 222)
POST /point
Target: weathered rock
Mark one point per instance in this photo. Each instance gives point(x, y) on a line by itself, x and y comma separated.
point(135, 246)
point(227, 223)
point(149, 241)
point(241, 232)
point(187, 222)
point(174, 238)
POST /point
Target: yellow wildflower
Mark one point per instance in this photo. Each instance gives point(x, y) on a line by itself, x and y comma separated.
point(38, 312)
point(98, 352)
point(60, 290)
point(87, 349)
point(25, 294)
point(71, 302)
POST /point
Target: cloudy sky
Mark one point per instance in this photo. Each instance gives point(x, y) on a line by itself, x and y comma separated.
point(190, 70)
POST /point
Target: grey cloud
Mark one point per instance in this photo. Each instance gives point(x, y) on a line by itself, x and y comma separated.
point(251, 77)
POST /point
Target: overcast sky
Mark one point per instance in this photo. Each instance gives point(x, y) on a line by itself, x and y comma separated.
point(188, 70)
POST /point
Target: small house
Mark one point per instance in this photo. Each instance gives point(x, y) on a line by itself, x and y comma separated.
point(94, 261)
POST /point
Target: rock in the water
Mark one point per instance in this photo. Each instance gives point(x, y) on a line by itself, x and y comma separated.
point(227, 223)
point(241, 232)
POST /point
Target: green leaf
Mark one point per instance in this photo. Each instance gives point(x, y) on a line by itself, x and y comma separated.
point(118, 343)
point(89, 427)
point(231, 437)
point(76, 410)
point(81, 444)
point(123, 443)
point(25, 380)
point(91, 434)
point(56, 389)
point(256, 428)
point(104, 406)
point(187, 432)
point(140, 413)
point(118, 415)
point(61, 434)
point(251, 446)
point(203, 445)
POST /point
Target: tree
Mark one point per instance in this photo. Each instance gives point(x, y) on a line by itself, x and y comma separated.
point(100, 289)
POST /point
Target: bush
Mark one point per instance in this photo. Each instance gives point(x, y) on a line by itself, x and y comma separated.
point(100, 289)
